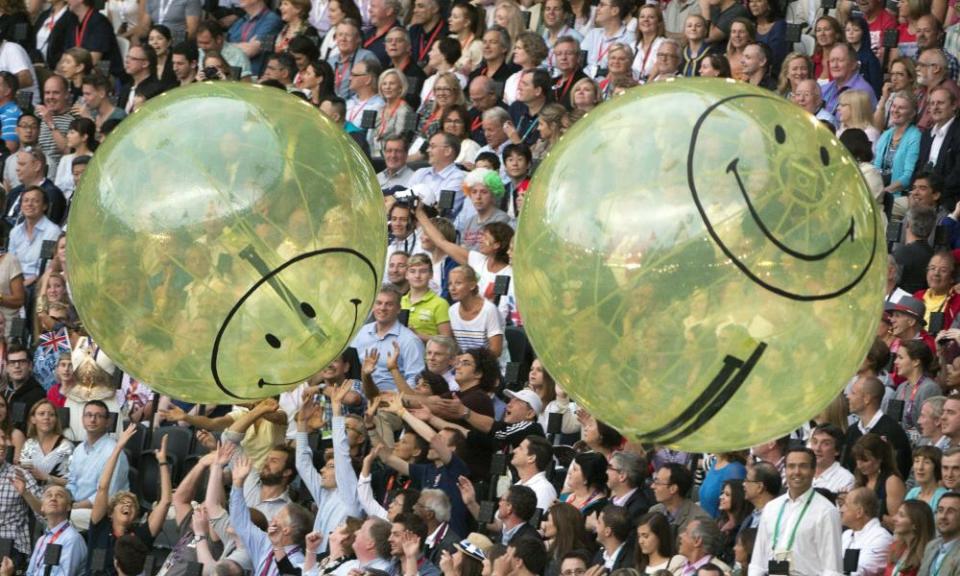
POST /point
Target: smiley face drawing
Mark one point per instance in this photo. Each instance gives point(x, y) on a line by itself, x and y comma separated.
point(284, 313)
point(786, 179)
point(699, 263)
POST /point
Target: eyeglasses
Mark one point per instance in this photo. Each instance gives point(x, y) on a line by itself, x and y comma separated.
point(136, 59)
point(18, 362)
point(95, 416)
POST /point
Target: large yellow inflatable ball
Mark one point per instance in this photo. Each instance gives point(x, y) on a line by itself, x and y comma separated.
point(699, 263)
point(226, 242)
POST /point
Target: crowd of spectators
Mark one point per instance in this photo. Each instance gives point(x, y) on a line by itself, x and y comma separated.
point(438, 443)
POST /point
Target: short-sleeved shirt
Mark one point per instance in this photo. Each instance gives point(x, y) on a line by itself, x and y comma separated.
point(259, 438)
point(723, 20)
point(427, 313)
point(445, 478)
point(101, 535)
point(261, 26)
point(476, 333)
point(173, 14)
point(9, 114)
point(14, 59)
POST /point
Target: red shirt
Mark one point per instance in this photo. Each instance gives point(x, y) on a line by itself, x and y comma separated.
point(883, 21)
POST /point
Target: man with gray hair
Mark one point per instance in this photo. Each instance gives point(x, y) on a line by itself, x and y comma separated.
point(894, 272)
point(626, 475)
point(433, 508)
point(441, 350)
point(442, 174)
point(700, 543)
point(384, 16)
point(932, 73)
point(669, 60)
point(914, 255)
point(865, 538)
point(928, 423)
point(809, 97)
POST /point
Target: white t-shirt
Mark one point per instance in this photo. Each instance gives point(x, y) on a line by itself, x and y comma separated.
point(486, 279)
point(475, 333)
point(14, 59)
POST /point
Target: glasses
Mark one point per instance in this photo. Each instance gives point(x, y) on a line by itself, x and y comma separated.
point(751, 481)
point(95, 416)
point(18, 362)
point(355, 74)
point(925, 64)
point(136, 59)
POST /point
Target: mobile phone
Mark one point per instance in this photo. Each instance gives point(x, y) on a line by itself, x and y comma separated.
point(236, 71)
point(794, 32)
point(936, 322)
point(47, 249)
point(512, 376)
point(98, 560)
point(404, 317)
point(369, 119)
point(24, 99)
point(894, 229)
point(498, 464)
point(501, 285)
point(583, 58)
point(895, 410)
point(6, 544)
point(51, 556)
point(828, 4)
point(446, 201)
point(891, 38)
point(18, 413)
point(487, 510)
point(526, 19)
point(554, 423)
point(851, 559)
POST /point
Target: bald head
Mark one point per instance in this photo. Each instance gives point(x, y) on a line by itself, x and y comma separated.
point(872, 390)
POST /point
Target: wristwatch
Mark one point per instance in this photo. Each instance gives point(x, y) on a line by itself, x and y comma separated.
point(466, 413)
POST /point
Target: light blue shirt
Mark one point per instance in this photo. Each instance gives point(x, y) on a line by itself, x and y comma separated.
point(333, 505)
point(87, 465)
point(26, 249)
point(73, 552)
point(256, 540)
point(450, 178)
point(411, 353)
point(342, 70)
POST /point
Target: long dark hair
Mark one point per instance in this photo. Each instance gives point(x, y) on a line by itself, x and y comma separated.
point(322, 69)
point(660, 527)
point(88, 129)
point(739, 507)
point(571, 532)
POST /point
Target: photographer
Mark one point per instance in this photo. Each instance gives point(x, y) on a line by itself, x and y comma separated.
point(442, 174)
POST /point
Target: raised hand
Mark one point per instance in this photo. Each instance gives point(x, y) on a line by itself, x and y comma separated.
point(225, 452)
point(268, 405)
point(411, 544)
point(200, 521)
point(393, 357)
point(162, 452)
point(467, 491)
point(313, 542)
point(241, 469)
point(370, 362)
point(173, 414)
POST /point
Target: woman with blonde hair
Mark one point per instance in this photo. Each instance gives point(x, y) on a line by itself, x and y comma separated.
point(396, 115)
point(854, 111)
point(508, 15)
point(796, 68)
point(619, 58)
point(550, 127)
point(651, 32)
point(586, 94)
point(46, 453)
point(447, 93)
point(903, 80)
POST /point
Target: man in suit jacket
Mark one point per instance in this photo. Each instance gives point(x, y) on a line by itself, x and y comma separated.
point(940, 145)
point(613, 535)
point(942, 555)
point(625, 478)
point(865, 397)
point(434, 508)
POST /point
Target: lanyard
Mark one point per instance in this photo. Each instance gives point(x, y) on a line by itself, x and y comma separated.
point(270, 560)
point(373, 39)
point(566, 86)
point(162, 11)
point(42, 547)
point(476, 123)
point(533, 123)
point(248, 27)
point(357, 110)
point(82, 28)
point(340, 72)
point(793, 533)
point(604, 48)
point(422, 52)
point(387, 116)
point(646, 55)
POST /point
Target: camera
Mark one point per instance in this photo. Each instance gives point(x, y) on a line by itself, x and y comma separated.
point(212, 73)
point(406, 197)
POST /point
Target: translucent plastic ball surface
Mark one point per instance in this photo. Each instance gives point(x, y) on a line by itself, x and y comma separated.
point(226, 242)
point(699, 263)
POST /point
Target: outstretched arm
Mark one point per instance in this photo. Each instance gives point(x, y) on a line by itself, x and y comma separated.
point(102, 497)
point(159, 512)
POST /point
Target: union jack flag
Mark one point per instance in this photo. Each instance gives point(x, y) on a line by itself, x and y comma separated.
point(55, 342)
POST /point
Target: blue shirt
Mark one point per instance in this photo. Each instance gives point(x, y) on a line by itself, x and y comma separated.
point(333, 505)
point(450, 178)
point(26, 249)
point(342, 70)
point(411, 353)
point(445, 478)
point(262, 26)
point(73, 552)
point(87, 465)
point(256, 540)
point(832, 91)
point(713, 485)
point(9, 114)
